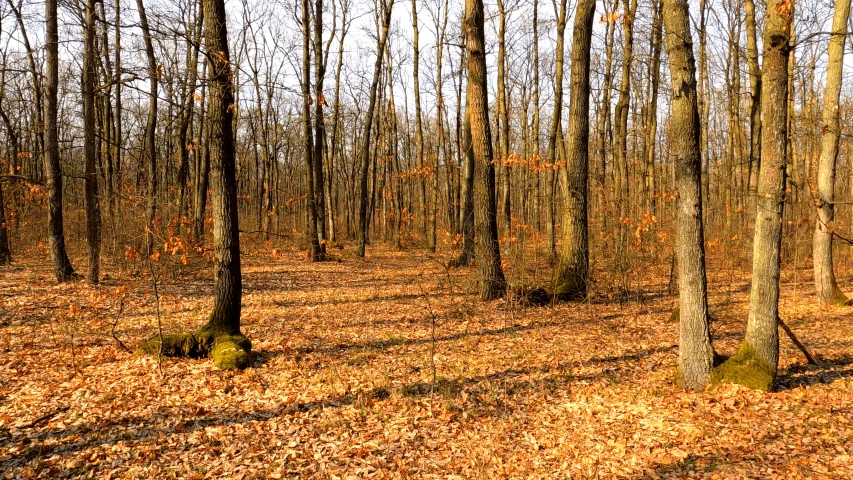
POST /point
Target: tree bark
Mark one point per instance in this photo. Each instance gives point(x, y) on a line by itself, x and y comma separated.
point(150, 144)
point(556, 127)
point(53, 171)
point(825, 282)
point(93, 202)
point(695, 355)
point(572, 275)
point(222, 332)
point(755, 364)
point(491, 276)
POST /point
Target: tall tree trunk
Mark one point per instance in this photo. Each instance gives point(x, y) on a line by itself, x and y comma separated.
point(319, 127)
point(419, 132)
point(754, 102)
point(466, 219)
point(53, 171)
point(150, 145)
point(93, 201)
point(651, 117)
point(491, 276)
point(363, 217)
point(187, 113)
point(756, 363)
point(695, 355)
point(621, 140)
point(227, 345)
point(503, 116)
point(307, 135)
point(825, 282)
point(572, 275)
point(556, 131)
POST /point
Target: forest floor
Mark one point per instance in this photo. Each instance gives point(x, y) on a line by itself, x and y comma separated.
point(389, 367)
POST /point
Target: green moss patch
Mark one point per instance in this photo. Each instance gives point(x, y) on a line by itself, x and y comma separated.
point(745, 368)
point(227, 350)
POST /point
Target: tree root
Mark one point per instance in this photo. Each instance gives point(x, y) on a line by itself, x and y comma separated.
point(227, 350)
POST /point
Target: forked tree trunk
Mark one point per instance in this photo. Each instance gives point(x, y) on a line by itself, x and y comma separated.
point(756, 363)
point(572, 274)
point(53, 171)
point(491, 276)
point(825, 282)
point(695, 354)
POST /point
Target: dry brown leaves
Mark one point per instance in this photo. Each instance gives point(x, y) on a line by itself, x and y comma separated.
point(342, 385)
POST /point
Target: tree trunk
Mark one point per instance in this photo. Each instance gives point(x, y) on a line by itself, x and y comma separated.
point(572, 275)
point(756, 363)
point(150, 145)
point(695, 355)
point(754, 103)
point(556, 127)
point(825, 283)
point(621, 140)
point(53, 171)
point(221, 334)
point(491, 276)
point(93, 202)
point(363, 217)
point(319, 127)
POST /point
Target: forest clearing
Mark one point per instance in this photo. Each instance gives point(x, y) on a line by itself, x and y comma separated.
point(342, 383)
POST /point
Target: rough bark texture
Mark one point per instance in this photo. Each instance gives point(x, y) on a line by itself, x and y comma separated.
point(824, 275)
point(466, 219)
point(220, 337)
point(491, 276)
point(572, 274)
point(53, 171)
point(695, 354)
point(93, 203)
point(756, 362)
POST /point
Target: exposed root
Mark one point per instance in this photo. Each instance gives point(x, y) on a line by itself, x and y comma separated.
point(228, 350)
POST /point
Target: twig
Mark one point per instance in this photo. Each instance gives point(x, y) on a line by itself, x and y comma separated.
point(799, 345)
point(157, 309)
point(42, 418)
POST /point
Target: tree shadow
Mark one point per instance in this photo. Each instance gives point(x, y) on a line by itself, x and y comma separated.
point(829, 371)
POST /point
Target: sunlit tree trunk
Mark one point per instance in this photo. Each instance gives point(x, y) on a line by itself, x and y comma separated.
point(695, 355)
point(756, 362)
point(825, 282)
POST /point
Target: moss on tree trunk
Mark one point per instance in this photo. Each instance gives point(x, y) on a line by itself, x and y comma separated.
point(745, 368)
